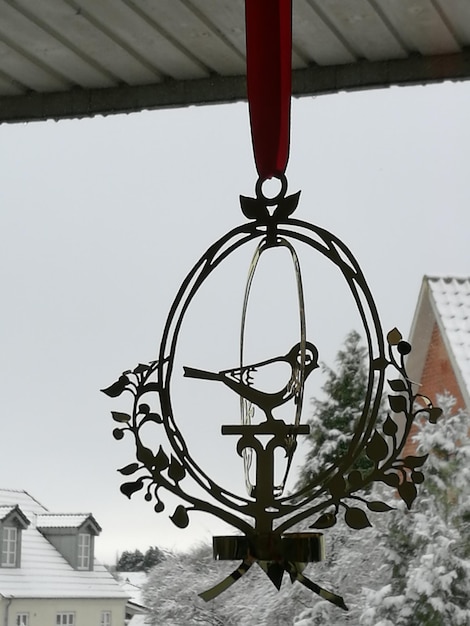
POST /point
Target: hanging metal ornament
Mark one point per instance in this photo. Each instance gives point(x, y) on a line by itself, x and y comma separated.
point(266, 513)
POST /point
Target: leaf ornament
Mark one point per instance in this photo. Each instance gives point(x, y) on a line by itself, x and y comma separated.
point(254, 209)
point(180, 517)
point(287, 206)
point(115, 390)
point(356, 518)
point(327, 520)
point(384, 448)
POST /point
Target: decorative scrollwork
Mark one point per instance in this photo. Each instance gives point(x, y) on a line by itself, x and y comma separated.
point(385, 450)
point(160, 469)
point(338, 488)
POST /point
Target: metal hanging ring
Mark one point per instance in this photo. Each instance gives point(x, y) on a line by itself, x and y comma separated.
point(280, 196)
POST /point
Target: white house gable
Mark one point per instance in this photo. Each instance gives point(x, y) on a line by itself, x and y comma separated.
point(55, 573)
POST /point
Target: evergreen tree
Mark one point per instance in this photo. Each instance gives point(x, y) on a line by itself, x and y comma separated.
point(334, 418)
point(130, 561)
point(427, 550)
point(152, 557)
point(136, 561)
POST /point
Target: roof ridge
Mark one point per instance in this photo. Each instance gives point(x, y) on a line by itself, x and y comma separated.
point(35, 500)
point(25, 493)
point(448, 278)
point(66, 514)
point(69, 513)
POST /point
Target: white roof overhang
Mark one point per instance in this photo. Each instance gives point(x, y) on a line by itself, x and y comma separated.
point(77, 58)
point(451, 316)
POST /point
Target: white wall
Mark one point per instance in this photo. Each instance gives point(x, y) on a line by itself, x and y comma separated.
point(43, 612)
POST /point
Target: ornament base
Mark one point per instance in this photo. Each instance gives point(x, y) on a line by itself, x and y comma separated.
point(295, 547)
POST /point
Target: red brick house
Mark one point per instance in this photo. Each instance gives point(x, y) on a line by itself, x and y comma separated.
point(440, 336)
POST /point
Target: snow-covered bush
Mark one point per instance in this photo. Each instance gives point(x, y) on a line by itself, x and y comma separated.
point(427, 550)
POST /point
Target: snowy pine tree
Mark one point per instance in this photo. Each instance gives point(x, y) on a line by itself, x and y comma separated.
point(335, 417)
point(130, 561)
point(427, 550)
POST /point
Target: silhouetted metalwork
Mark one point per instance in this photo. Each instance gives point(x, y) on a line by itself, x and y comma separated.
point(172, 467)
point(302, 360)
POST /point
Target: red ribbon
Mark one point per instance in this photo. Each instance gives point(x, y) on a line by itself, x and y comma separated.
point(269, 82)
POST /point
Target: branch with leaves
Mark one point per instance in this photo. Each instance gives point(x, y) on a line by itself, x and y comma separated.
point(160, 470)
point(384, 450)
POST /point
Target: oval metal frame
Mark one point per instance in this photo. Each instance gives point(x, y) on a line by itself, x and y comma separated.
point(333, 249)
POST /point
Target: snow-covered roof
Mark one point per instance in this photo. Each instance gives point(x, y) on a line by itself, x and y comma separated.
point(444, 301)
point(138, 620)
point(66, 520)
point(44, 572)
point(29, 505)
point(6, 511)
point(133, 583)
point(452, 299)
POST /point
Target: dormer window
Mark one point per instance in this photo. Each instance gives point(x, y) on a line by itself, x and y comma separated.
point(12, 523)
point(9, 546)
point(73, 535)
point(84, 551)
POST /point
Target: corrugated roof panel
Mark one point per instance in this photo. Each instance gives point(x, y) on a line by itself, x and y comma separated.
point(362, 27)
point(9, 86)
point(72, 58)
point(34, 42)
point(228, 16)
point(456, 14)
point(91, 42)
point(28, 72)
point(317, 41)
point(149, 44)
point(196, 32)
point(420, 26)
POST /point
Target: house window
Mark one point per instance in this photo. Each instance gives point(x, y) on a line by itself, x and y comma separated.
point(84, 549)
point(65, 619)
point(22, 619)
point(9, 546)
point(105, 618)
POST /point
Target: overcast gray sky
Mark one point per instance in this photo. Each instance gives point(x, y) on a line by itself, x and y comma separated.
point(101, 219)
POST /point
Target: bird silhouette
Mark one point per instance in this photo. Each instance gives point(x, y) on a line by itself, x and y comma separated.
point(242, 379)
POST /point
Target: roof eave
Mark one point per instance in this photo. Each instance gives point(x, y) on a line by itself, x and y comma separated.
point(314, 80)
point(18, 513)
point(423, 322)
point(445, 338)
point(90, 521)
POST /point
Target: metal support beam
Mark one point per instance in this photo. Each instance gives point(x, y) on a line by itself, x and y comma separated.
point(314, 80)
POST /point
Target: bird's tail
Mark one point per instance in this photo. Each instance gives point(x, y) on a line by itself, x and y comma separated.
point(192, 372)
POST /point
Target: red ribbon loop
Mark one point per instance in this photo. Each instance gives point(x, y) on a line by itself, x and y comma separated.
point(269, 82)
